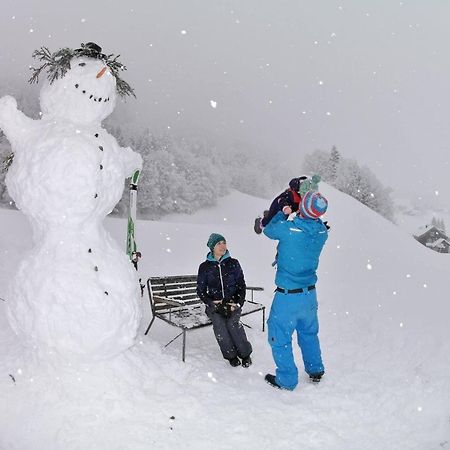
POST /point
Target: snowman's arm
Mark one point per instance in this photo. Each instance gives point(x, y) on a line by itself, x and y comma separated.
point(131, 160)
point(14, 123)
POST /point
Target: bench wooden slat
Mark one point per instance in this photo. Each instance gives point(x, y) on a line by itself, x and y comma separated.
point(174, 279)
point(161, 284)
point(174, 292)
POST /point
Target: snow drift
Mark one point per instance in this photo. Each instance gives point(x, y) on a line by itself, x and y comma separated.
point(384, 335)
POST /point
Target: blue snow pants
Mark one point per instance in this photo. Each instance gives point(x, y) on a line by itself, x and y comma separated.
point(289, 313)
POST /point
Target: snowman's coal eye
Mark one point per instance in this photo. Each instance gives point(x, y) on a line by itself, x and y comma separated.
point(82, 64)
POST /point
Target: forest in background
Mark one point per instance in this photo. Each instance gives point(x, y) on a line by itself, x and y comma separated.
point(183, 174)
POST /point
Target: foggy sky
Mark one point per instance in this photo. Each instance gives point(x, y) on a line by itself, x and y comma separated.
point(371, 77)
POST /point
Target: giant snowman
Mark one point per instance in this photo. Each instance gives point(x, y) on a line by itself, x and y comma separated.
point(75, 293)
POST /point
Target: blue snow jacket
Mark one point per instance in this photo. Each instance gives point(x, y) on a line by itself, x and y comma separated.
point(299, 247)
point(218, 280)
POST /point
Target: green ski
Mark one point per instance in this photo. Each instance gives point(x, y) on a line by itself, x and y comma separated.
point(132, 252)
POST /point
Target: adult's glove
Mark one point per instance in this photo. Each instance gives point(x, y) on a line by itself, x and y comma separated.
point(224, 309)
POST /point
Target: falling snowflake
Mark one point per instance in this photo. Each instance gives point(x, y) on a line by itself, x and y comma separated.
point(213, 104)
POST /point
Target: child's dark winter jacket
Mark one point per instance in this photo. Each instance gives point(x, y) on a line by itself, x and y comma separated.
point(218, 280)
point(289, 197)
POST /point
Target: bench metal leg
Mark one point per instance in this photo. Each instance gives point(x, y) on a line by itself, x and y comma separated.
point(184, 345)
point(183, 348)
point(245, 325)
point(176, 337)
point(264, 318)
point(151, 323)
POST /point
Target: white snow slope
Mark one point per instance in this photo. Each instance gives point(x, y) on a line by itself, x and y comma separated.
point(385, 336)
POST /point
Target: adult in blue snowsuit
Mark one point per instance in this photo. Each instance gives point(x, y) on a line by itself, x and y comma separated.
point(221, 286)
point(294, 307)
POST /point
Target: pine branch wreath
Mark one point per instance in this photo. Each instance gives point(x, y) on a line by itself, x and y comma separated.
point(58, 63)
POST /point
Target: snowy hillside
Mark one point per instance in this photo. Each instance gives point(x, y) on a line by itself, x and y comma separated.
point(385, 336)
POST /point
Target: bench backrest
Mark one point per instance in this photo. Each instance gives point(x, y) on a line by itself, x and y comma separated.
point(177, 287)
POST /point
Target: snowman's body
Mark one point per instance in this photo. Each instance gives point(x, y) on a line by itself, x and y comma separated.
point(76, 292)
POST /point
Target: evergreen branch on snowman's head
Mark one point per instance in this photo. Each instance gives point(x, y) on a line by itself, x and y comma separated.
point(58, 63)
point(123, 88)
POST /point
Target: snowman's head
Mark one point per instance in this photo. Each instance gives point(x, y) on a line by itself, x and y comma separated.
point(86, 93)
point(82, 84)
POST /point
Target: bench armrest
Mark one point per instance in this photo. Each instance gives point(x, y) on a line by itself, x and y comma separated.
point(254, 288)
point(169, 301)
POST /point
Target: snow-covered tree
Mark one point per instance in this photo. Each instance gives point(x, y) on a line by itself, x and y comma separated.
point(438, 223)
point(333, 163)
point(317, 163)
point(347, 176)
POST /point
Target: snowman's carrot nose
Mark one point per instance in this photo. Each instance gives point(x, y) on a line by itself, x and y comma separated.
point(101, 72)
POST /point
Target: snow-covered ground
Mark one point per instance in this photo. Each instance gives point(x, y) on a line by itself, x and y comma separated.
point(385, 335)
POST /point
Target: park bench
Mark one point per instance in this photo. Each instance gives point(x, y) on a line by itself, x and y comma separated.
point(174, 300)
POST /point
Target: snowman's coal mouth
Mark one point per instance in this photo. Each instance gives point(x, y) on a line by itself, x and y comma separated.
point(92, 96)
